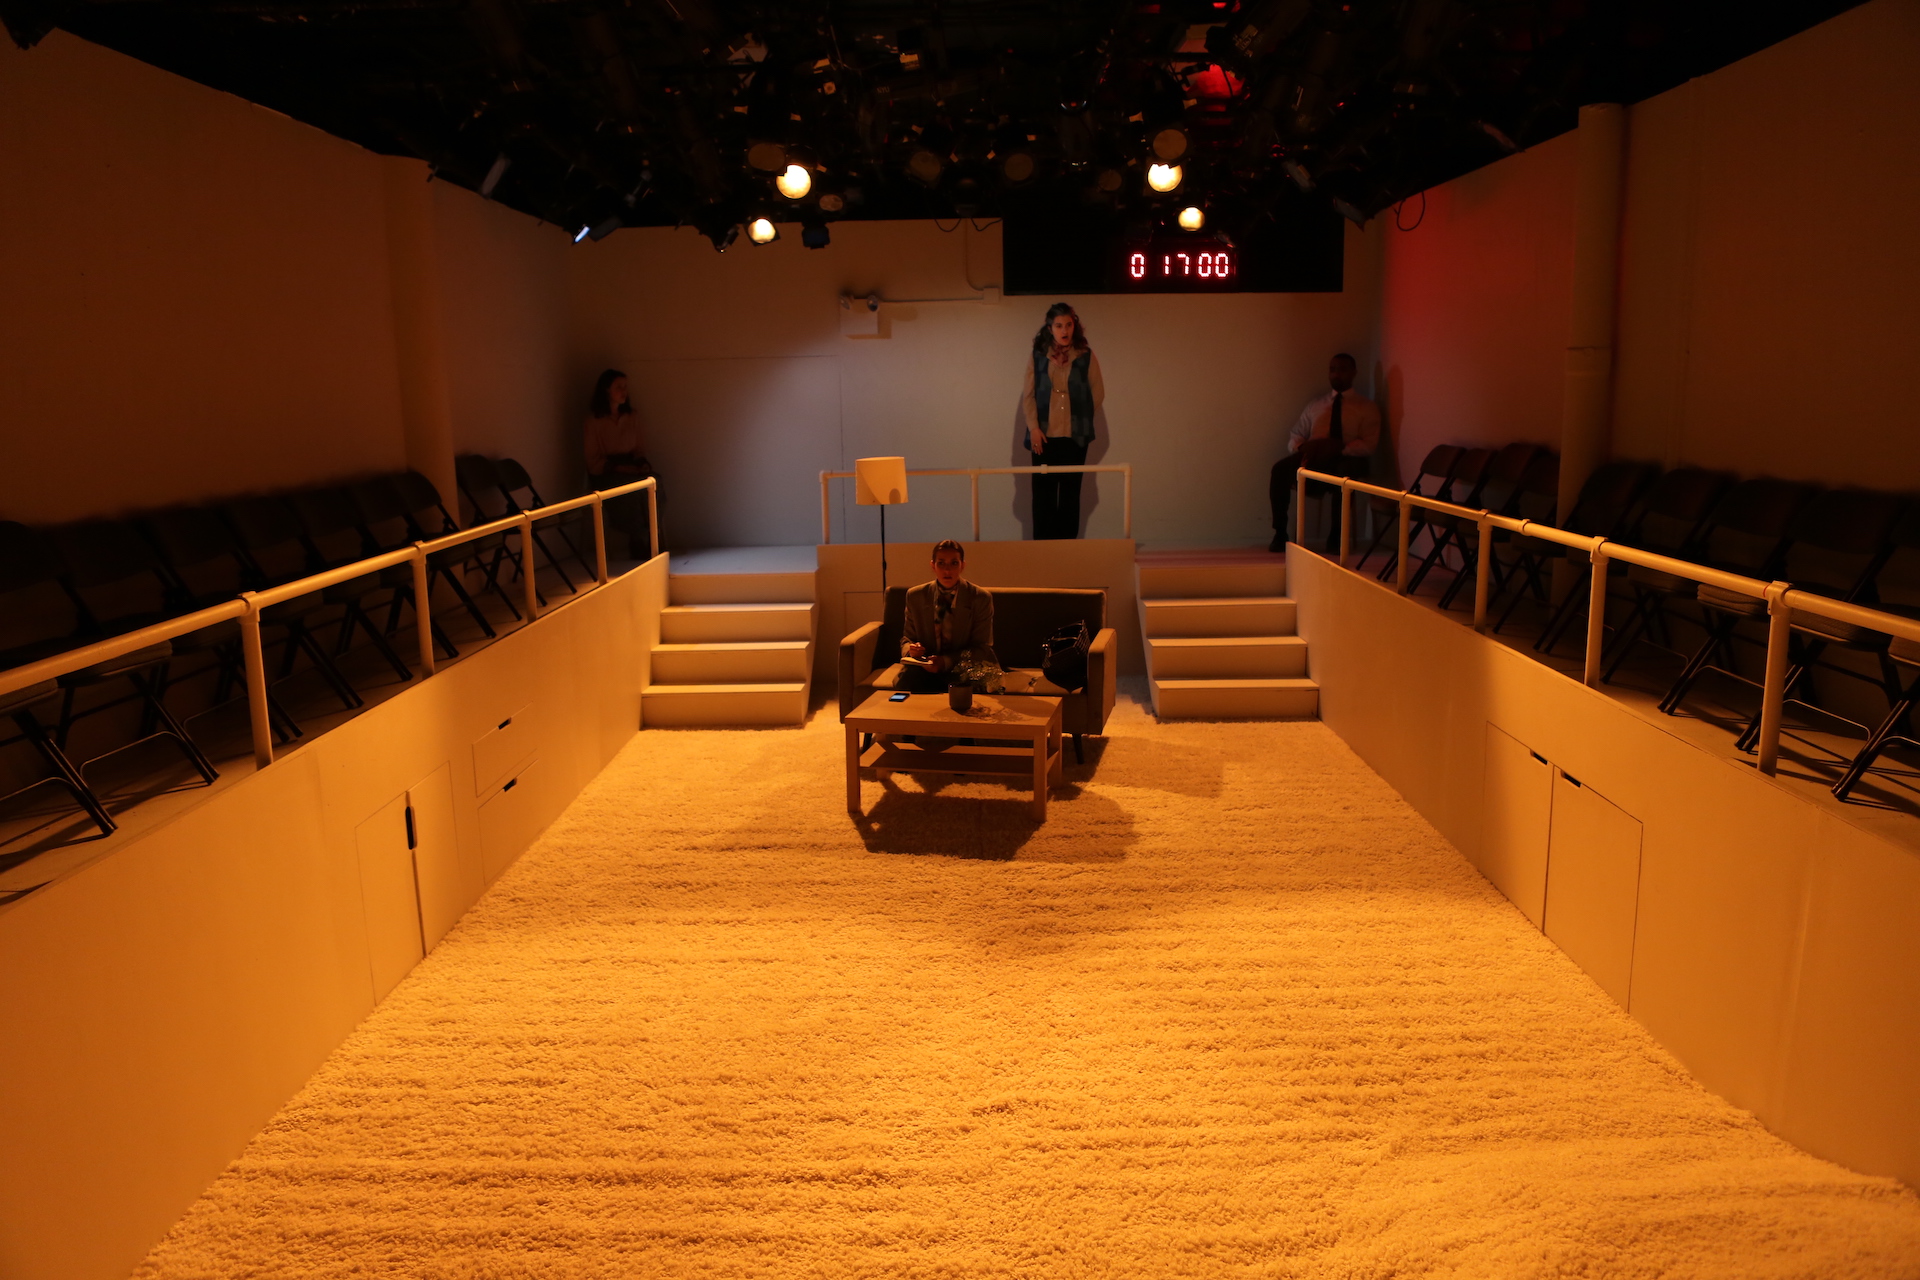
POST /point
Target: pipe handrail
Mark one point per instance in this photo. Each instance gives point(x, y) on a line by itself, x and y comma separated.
point(14, 679)
point(248, 605)
point(974, 473)
point(1782, 599)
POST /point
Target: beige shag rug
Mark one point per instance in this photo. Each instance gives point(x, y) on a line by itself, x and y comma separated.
point(1235, 1010)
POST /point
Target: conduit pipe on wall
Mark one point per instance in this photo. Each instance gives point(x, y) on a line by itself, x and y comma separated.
point(1587, 407)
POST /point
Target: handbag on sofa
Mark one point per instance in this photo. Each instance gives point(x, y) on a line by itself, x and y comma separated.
point(1064, 657)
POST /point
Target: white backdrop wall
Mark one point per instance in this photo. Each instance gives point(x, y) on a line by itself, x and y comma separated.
point(748, 390)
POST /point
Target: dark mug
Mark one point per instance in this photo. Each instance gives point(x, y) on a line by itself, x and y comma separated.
point(960, 697)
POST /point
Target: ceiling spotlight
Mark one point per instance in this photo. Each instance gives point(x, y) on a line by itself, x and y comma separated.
point(1163, 177)
point(604, 228)
point(831, 203)
point(1298, 172)
point(1018, 167)
point(1108, 181)
point(582, 233)
point(762, 231)
point(494, 175)
point(1170, 144)
point(1192, 218)
point(795, 182)
point(924, 166)
point(815, 235)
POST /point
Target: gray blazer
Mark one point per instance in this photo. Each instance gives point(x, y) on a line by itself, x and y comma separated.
point(968, 626)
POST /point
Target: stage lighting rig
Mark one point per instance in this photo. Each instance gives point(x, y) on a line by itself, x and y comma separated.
point(1192, 218)
point(1164, 178)
point(795, 182)
point(762, 231)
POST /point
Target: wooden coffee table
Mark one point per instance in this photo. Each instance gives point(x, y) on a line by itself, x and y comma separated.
point(1032, 722)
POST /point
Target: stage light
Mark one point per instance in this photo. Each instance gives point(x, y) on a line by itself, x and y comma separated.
point(1170, 144)
point(1017, 168)
point(494, 175)
point(582, 234)
point(795, 182)
point(1192, 218)
point(768, 157)
point(604, 228)
point(762, 231)
point(815, 235)
point(924, 166)
point(1163, 177)
point(831, 203)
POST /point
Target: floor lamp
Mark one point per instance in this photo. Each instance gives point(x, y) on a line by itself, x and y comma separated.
point(880, 482)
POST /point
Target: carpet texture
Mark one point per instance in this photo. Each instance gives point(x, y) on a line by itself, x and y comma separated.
point(1235, 1010)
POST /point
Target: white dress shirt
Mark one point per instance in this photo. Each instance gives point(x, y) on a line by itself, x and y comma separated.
point(1359, 424)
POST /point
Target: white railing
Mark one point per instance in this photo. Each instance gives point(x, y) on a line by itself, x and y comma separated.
point(974, 474)
point(248, 607)
point(1783, 600)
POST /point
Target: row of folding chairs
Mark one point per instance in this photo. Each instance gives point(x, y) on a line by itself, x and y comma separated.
point(1856, 545)
point(69, 586)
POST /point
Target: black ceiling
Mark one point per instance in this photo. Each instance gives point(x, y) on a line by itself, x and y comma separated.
point(644, 112)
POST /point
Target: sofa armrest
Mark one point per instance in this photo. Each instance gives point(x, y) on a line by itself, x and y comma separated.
point(856, 660)
point(1103, 666)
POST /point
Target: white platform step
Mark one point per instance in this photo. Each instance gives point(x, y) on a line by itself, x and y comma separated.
point(733, 662)
point(1202, 581)
point(740, 588)
point(1242, 699)
point(1227, 657)
point(728, 704)
point(718, 623)
point(1218, 616)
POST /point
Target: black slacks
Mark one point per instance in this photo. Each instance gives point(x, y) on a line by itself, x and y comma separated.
point(1286, 477)
point(1056, 499)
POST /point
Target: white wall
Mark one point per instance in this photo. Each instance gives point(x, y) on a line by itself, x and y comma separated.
point(163, 1001)
point(748, 390)
point(1773, 948)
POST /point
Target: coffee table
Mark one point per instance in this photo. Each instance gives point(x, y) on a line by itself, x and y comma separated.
point(1031, 722)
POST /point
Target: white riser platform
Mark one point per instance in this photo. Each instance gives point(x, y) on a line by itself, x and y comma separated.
point(719, 705)
point(1186, 582)
point(1218, 616)
point(740, 588)
point(718, 623)
point(1227, 657)
point(1236, 699)
point(733, 662)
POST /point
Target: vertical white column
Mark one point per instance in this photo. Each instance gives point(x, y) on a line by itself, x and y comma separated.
point(1587, 407)
point(419, 336)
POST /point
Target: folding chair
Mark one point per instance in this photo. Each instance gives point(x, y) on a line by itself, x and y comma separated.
point(268, 541)
point(487, 494)
point(1534, 498)
point(1437, 469)
point(394, 515)
point(1496, 488)
point(1845, 546)
point(514, 479)
point(1602, 508)
point(1464, 480)
point(1672, 520)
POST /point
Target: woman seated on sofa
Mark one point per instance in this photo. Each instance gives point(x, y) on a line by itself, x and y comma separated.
point(946, 619)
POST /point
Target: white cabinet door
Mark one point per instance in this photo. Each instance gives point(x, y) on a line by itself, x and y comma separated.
point(1516, 805)
point(390, 896)
point(447, 888)
point(1593, 884)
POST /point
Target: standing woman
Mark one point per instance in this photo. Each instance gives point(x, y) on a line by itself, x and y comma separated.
point(1063, 391)
point(614, 458)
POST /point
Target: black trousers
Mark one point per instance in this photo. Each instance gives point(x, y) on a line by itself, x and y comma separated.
point(627, 514)
point(1286, 478)
point(1056, 499)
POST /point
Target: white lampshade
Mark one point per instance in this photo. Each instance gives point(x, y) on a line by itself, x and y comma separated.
point(879, 482)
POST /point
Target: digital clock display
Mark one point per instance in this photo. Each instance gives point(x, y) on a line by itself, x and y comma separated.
point(1185, 265)
point(1177, 263)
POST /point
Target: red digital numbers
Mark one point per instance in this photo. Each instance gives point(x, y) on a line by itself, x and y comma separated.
point(1213, 266)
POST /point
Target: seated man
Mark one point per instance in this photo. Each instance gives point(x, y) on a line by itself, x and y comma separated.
point(945, 619)
point(1336, 434)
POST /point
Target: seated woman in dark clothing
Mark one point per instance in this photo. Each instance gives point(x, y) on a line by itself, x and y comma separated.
point(947, 619)
point(614, 459)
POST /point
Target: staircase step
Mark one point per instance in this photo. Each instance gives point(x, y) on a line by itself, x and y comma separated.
point(718, 623)
point(1264, 699)
point(1218, 616)
point(681, 705)
point(1227, 657)
point(732, 662)
point(740, 588)
point(1201, 581)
